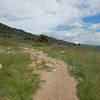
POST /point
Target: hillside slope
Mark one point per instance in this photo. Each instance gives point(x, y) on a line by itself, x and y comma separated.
point(17, 35)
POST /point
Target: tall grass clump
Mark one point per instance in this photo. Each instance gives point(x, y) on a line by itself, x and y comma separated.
point(17, 81)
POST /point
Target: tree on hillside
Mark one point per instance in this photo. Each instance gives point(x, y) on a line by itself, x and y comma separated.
point(42, 38)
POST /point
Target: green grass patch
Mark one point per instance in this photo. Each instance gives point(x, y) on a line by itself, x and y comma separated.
point(17, 81)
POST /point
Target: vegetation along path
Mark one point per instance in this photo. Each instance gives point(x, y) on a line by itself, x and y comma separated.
point(58, 83)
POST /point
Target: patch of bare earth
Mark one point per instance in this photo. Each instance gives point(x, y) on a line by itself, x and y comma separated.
point(59, 84)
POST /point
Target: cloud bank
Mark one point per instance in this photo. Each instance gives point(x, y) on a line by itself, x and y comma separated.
point(44, 16)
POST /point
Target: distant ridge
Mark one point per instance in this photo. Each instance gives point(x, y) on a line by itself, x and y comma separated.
point(18, 35)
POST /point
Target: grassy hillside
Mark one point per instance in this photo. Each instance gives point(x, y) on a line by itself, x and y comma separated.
point(17, 81)
point(84, 64)
point(15, 35)
point(20, 36)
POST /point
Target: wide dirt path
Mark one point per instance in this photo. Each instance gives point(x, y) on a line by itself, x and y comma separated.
point(59, 84)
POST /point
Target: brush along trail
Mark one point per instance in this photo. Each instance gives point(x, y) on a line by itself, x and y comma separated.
point(58, 83)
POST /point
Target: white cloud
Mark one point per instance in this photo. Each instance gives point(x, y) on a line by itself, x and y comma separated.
point(94, 27)
point(38, 16)
point(77, 35)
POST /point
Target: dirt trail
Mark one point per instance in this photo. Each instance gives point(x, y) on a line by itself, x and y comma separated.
point(59, 84)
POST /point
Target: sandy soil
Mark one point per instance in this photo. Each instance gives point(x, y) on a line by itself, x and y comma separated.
point(59, 84)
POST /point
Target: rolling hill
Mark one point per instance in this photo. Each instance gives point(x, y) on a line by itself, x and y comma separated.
point(18, 35)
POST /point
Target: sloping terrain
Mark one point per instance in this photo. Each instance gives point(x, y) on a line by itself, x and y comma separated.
point(59, 84)
point(15, 65)
point(17, 81)
point(20, 36)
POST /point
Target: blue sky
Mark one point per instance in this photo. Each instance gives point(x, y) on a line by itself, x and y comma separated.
point(87, 31)
point(92, 19)
point(75, 21)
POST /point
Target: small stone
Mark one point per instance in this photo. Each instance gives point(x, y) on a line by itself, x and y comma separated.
point(63, 52)
point(55, 70)
point(1, 66)
point(46, 54)
point(38, 61)
point(81, 79)
point(49, 65)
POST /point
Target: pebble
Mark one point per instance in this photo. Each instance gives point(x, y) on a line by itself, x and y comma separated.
point(1, 66)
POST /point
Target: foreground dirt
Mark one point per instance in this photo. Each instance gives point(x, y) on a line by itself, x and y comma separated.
point(59, 84)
